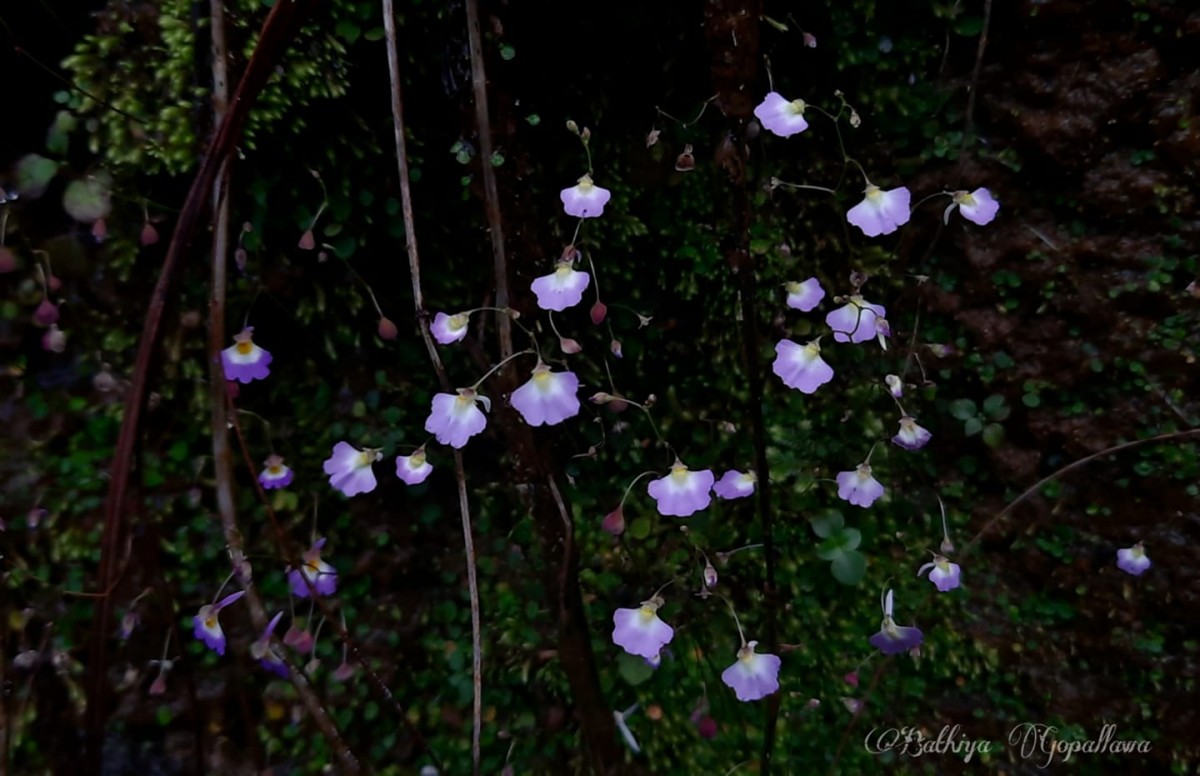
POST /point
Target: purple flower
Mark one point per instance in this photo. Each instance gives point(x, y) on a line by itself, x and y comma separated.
point(734, 484)
point(682, 492)
point(801, 367)
point(880, 212)
point(455, 419)
point(944, 575)
point(207, 624)
point(859, 487)
point(244, 361)
point(804, 296)
point(639, 631)
point(46, 313)
point(548, 397)
point(448, 329)
point(892, 639)
point(978, 206)
point(413, 469)
point(911, 436)
point(562, 288)
point(322, 576)
point(264, 652)
point(275, 473)
point(349, 468)
point(894, 385)
point(129, 622)
point(780, 116)
point(585, 199)
point(752, 676)
point(1133, 560)
point(855, 321)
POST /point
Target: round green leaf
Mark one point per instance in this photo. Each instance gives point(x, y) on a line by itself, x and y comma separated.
point(634, 669)
point(849, 567)
point(639, 528)
point(828, 523)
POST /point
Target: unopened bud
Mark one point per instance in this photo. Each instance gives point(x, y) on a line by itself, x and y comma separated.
point(46, 313)
point(599, 311)
point(615, 347)
point(652, 137)
point(99, 230)
point(307, 241)
point(240, 258)
point(387, 329)
point(614, 522)
point(586, 134)
point(685, 162)
point(572, 127)
point(710, 576)
point(947, 546)
point(810, 40)
point(159, 685)
point(149, 234)
point(54, 340)
point(602, 398)
point(569, 346)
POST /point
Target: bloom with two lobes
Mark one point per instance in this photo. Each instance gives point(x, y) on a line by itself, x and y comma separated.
point(448, 329)
point(892, 639)
point(413, 469)
point(859, 487)
point(455, 419)
point(911, 436)
point(275, 473)
point(804, 296)
point(265, 653)
point(735, 484)
point(206, 625)
point(316, 571)
point(801, 366)
point(585, 199)
point(548, 397)
point(856, 321)
point(978, 206)
point(881, 212)
point(781, 116)
point(349, 468)
point(682, 492)
point(562, 288)
point(752, 676)
point(640, 631)
point(244, 361)
point(1133, 560)
point(944, 574)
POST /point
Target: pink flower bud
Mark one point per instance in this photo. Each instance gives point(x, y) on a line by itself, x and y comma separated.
point(46, 313)
point(599, 310)
point(343, 672)
point(614, 522)
point(159, 685)
point(569, 346)
point(307, 241)
point(851, 678)
point(710, 576)
point(53, 283)
point(299, 640)
point(240, 258)
point(615, 347)
point(232, 388)
point(99, 230)
point(387, 329)
point(707, 727)
point(149, 234)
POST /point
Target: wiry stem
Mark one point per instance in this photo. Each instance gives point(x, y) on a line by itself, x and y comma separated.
point(414, 266)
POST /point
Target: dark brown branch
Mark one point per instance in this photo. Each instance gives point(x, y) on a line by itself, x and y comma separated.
point(277, 33)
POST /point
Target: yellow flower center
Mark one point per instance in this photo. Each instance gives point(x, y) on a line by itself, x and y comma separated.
point(792, 287)
point(459, 321)
point(275, 470)
point(647, 613)
point(417, 459)
point(964, 198)
point(874, 193)
point(680, 473)
point(541, 376)
point(314, 565)
point(210, 622)
point(813, 349)
point(797, 107)
point(585, 184)
point(365, 458)
point(245, 348)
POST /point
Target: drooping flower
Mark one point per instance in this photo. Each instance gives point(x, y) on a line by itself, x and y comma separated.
point(54, 340)
point(858, 486)
point(804, 296)
point(455, 419)
point(448, 329)
point(264, 651)
point(682, 492)
point(735, 484)
point(46, 313)
point(944, 574)
point(562, 288)
point(1133, 560)
point(244, 361)
point(640, 631)
point(275, 473)
point(585, 199)
point(911, 436)
point(880, 212)
point(978, 206)
point(349, 468)
point(752, 676)
point(322, 576)
point(895, 386)
point(413, 469)
point(780, 116)
point(548, 397)
point(855, 321)
point(801, 367)
point(892, 639)
point(614, 522)
point(207, 624)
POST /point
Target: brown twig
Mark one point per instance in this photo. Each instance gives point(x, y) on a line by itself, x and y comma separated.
point(969, 120)
point(276, 34)
point(414, 266)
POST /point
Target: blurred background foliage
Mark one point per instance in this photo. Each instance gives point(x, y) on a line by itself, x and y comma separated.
point(1063, 328)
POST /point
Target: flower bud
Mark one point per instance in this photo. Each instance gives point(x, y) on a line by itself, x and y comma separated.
point(572, 127)
point(615, 347)
point(569, 346)
point(614, 522)
point(240, 258)
point(159, 685)
point(46, 313)
point(307, 241)
point(599, 310)
point(710, 576)
point(387, 329)
point(99, 230)
point(54, 340)
point(8, 260)
point(149, 234)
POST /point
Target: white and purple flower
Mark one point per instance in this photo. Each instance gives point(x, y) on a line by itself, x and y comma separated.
point(1133, 560)
point(562, 288)
point(859, 487)
point(801, 367)
point(265, 653)
point(322, 576)
point(275, 473)
point(855, 321)
point(682, 493)
point(548, 397)
point(244, 361)
point(978, 206)
point(640, 631)
point(893, 639)
point(734, 484)
point(207, 623)
point(455, 419)
point(911, 436)
point(894, 385)
point(804, 296)
point(880, 212)
point(413, 469)
point(752, 676)
point(781, 116)
point(585, 199)
point(448, 329)
point(349, 468)
point(944, 574)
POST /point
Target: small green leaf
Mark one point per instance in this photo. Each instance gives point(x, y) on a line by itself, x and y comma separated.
point(639, 528)
point(827, 524)
point(497, 159)
point(851, 538)
point(963, 409)
point(633, 669)
point(374, 34)
point(973, 426)
point(1031, 400)
point(993, 435)
point(348, 30)
point(34, 174)
point(507, 52)
point(993, 403)
point(849, 568)
point(533, 119)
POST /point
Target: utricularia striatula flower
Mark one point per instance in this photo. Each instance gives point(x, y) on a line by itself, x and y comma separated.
point(349, 468)
point(640, 631)
point(682, 492)
point(547, 397)
point(244, 361)
point(752, 676)
point(322, 576)
point(892, 639)
point(455, 419)
point(207, 623)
